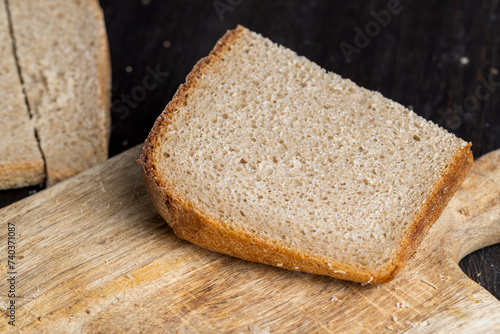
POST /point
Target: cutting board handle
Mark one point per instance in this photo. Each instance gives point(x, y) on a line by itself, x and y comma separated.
point(473, 214)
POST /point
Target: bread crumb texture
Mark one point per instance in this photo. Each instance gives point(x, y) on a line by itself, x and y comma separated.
point(268, 143)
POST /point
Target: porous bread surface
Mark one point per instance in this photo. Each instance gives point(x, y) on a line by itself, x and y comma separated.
point(64, 61)
point(21, 162)
point(268, 143)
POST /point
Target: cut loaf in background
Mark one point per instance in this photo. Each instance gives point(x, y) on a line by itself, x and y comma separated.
point(21, 162)
point(265, 156)
point(63, 62)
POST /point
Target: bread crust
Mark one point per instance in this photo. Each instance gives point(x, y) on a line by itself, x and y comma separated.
point(190, 223)
point(104, 66)
point(436, 201)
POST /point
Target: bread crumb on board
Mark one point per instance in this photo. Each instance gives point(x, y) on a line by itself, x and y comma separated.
point(443, 277)
point(465, 211)
point(394, 318)
point(335, 299)
point(402, 305)
point(257, 330)
point(415, 324)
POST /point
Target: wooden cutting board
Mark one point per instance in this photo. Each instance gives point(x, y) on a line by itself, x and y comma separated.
point(93, 256)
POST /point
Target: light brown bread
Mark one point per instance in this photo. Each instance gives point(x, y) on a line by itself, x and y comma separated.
point(265, 156)
point(21, 162)
point(64, 63)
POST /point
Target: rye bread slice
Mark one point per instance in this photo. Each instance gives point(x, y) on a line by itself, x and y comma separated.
point(265, 156)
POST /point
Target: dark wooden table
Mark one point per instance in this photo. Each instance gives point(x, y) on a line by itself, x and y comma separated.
point(439, 58)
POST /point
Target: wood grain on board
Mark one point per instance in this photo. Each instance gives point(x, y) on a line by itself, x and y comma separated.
point(93, 256)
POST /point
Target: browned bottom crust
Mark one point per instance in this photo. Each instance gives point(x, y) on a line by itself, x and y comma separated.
point(193, 225)
point(22, 174)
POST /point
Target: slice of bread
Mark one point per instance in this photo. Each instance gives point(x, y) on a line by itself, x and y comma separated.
point(21, 162)
point(64, 64)
point(265, 156)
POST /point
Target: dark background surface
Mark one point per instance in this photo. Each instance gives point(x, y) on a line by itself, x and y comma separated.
point(439, 58)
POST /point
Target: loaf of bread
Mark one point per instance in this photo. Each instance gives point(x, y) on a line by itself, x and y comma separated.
point(63, 63)
point(265, 156)
point(21, 162)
